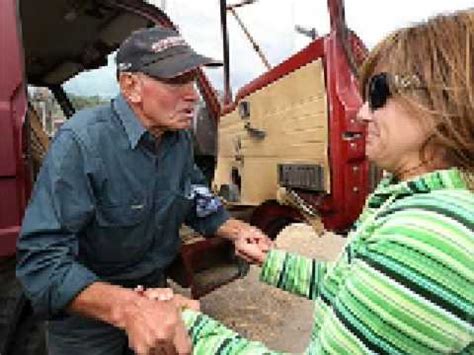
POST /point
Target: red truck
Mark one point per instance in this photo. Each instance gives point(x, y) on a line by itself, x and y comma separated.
point(45, 43)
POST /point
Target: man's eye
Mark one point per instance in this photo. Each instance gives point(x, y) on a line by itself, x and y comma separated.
point(181, 80)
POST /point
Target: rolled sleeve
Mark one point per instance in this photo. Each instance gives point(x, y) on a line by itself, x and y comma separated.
point(210, 224)
point(76, 279)
point(61, 206)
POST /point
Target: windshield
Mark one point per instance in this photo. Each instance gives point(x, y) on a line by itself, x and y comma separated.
point(99, 83)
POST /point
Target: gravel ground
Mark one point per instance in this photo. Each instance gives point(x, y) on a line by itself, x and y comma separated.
point(260, 312)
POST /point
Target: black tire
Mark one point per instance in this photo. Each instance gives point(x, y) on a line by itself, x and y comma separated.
point(277, 226)
point(20, 332)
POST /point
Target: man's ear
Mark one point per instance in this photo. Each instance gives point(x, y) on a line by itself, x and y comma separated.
point(130, 87)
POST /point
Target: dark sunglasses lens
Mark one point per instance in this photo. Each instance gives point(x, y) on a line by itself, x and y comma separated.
point(378, 91)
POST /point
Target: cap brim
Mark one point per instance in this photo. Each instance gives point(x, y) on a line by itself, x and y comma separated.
point(179, 64)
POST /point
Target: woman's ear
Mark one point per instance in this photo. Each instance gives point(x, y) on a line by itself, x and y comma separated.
point(130, 87)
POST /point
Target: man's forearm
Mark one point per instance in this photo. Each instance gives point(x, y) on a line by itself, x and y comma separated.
point(103, 301)
point(231, 229)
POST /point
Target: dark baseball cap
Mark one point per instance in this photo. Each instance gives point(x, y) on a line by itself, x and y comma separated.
point(159, 52)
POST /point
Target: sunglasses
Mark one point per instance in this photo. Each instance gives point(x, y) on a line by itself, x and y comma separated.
point(379, 88)
point(377, 91)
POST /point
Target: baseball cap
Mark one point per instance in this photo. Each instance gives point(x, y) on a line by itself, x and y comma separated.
point(159, 52)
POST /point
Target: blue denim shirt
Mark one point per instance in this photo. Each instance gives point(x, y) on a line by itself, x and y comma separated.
point(107, 205)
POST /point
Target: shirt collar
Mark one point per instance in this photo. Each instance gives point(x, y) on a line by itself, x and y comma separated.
point(435, 180)
point(390, 188)
point(133, 127)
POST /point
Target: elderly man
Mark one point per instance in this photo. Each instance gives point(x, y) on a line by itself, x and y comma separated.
point(118, 182)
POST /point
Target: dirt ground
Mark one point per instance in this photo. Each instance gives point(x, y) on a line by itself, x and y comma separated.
point(260, 312)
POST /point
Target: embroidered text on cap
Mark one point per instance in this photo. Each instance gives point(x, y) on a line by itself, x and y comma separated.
point(168, 43)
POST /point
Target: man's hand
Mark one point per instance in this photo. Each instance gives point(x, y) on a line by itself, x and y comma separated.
point(155, 327)
point(250, 242)
point(152, 327)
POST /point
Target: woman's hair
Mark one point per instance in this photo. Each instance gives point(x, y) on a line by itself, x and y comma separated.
point(440, 53)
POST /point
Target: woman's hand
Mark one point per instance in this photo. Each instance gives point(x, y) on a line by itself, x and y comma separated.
point(252, 251)
point(251, 244)
point(167, 294)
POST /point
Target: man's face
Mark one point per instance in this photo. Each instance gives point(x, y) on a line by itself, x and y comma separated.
point(166, 105)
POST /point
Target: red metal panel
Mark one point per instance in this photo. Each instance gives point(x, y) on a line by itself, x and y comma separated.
point(14, 185)
point(8, 238)
point(349, 185)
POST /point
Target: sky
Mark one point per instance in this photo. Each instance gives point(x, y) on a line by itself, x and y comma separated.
point(272, 24)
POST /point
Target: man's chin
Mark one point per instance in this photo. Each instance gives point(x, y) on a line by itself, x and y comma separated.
point(185, 124)
point(180, 126)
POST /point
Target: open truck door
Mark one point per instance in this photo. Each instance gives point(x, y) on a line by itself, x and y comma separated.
point(16, 323)
point(290, 147)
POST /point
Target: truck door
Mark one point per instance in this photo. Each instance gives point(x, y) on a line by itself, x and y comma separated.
point(14, 182)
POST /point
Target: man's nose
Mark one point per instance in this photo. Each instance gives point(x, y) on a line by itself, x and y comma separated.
point(365, 114)
point(190, 92)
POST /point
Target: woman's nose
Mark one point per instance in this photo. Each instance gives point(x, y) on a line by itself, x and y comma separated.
point(364, 114)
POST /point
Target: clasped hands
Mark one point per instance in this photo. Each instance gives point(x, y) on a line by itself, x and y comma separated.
point(251, 244)
point(169, 336)
point(153, 322)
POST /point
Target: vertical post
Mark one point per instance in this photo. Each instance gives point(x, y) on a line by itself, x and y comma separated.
point(225, 44)
point(336, 13)
point(339, 27)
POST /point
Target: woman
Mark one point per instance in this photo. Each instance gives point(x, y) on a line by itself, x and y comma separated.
point(405, 281)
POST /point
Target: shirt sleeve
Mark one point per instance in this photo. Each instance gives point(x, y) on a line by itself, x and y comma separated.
point(62, 203)
point(296, 274)
point(211, 337)
point(410, 287)
point(209, 224)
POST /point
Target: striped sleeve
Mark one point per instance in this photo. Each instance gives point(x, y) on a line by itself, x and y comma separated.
point(294, 273)
point(211, 337)
point(411, 286)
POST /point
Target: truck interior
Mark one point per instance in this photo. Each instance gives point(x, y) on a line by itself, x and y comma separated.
point(66, 39)
point(87, 32)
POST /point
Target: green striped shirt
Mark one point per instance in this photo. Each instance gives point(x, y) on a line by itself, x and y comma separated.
point(403, 284)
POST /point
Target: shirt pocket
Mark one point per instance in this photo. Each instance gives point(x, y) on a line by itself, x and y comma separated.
point(121, 216)
point(122, 235)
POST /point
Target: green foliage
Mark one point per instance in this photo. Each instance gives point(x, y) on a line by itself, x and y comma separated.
point(80, 102)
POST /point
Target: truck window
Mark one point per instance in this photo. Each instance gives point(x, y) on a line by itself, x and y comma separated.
point(46, 109)
point(93, 87)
